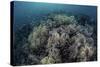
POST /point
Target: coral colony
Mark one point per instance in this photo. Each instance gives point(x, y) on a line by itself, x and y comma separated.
point(60, 38)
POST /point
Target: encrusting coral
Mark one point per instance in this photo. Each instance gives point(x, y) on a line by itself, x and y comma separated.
point(59, 39)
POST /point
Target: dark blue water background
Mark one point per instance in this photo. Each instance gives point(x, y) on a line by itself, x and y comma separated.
point(28, 12)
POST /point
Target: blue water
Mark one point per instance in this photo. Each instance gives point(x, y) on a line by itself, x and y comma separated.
point(27, 12)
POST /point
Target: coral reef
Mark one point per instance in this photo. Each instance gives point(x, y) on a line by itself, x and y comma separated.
point(57, 39)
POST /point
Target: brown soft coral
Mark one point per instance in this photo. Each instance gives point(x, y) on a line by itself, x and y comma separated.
point(63, 40)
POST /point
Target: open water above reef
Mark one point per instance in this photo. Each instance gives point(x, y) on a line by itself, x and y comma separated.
point(27, 12)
